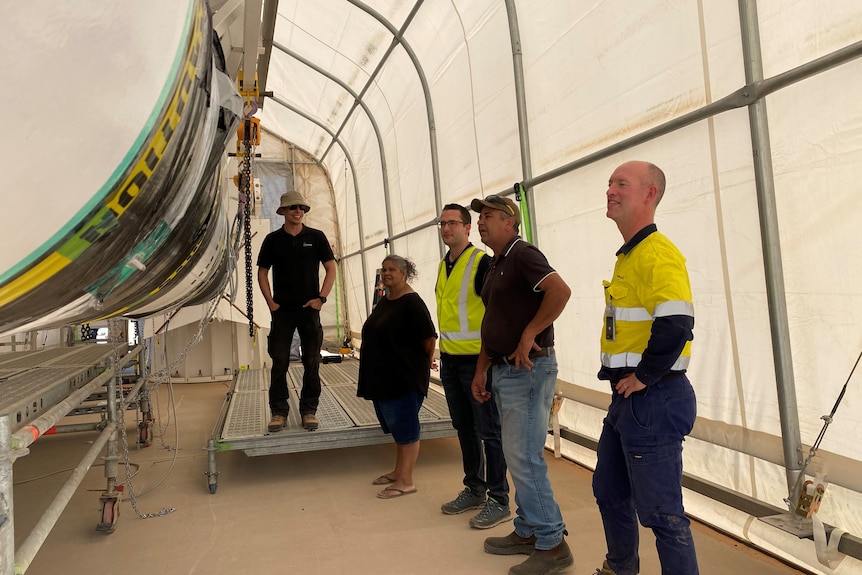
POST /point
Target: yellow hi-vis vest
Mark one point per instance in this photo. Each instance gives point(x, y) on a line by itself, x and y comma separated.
point(459, 309)
point(650, 281)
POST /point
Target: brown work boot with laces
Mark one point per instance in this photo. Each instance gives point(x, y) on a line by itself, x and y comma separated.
point(277, 422)
point(310, 421)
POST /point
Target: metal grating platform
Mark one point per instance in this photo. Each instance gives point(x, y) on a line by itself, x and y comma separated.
point(252, 380)
point(345, 420)
point(84, 355)
point(247, 415)
point(359, 409)
point(33, 382)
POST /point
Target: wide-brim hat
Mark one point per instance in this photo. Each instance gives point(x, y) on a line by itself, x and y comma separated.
point(495, 202)
point(292, 198)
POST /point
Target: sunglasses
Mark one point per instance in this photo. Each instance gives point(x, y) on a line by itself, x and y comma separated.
point(295, 207)
point(495, 199)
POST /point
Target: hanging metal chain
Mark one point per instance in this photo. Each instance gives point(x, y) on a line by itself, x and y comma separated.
point(121, 423)
point(132, 499)
point(245, 185)
point(156, 378)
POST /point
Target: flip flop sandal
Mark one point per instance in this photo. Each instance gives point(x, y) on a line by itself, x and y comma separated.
point(396, 493)
point(383, 480)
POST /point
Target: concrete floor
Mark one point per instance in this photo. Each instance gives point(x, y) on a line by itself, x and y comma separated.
point(313, 513)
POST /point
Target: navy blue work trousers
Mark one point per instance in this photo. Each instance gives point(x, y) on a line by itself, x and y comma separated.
point(639, 475)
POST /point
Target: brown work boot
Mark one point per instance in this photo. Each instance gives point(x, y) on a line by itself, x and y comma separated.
point(277, 423)
point(310, 421)
point(546, 561)
point(605, 570)
point(511, 544)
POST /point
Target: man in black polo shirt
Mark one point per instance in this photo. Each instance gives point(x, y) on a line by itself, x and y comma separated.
point(295, 252)
point(523, 295)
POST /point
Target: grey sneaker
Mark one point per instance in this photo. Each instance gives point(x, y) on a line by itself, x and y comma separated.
point(465, 501)
point(491, 515)
point(546, 561)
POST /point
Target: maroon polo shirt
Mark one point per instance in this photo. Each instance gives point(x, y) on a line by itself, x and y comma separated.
point(512, 298)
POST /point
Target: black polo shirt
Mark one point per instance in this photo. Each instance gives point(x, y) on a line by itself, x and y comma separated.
point(512, 298)
point(295, 263)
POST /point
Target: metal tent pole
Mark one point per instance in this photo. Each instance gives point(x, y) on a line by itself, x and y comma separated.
point(771, 244)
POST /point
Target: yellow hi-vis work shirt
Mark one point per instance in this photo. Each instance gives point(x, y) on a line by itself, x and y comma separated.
point(459, 309)
point(650, 283)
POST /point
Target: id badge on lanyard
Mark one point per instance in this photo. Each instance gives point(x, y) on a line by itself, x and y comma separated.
point(610, 325)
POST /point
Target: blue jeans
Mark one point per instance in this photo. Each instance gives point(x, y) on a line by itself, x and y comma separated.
point(639, 476)
point(284, 323)
point(478, 426)
point(524, 399)
point(400, 417)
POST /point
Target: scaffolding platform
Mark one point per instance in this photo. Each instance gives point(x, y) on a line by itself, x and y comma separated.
point(345, 420)
point(32, 382)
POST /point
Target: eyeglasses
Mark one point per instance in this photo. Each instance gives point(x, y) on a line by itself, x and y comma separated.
point(495, 199)
point(449, 223)
point(296, 207)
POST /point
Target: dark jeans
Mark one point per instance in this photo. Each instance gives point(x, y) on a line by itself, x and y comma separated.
point(478, 426)
point(284, 322)
point(639, 476)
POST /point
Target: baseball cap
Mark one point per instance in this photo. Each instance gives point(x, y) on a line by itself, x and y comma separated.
point(495, 202)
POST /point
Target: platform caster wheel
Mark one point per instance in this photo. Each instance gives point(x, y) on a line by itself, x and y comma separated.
point(110, 513)
point(145, 436)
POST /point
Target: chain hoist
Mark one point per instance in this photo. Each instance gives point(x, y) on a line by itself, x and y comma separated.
point(245, 194)
point(248, 136)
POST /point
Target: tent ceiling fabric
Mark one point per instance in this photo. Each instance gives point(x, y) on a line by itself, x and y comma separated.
point(595, 74)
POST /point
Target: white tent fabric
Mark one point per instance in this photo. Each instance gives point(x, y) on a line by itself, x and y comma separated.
point(595, 74)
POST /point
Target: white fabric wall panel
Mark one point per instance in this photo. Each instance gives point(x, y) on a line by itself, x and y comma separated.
point(720, 36)
point(282, 121)
point(817, 130)
point(345, 200)
point(598, 83)
point(421, 248)
point(355, 286)
point(792, 33)
point(411, 183)
point(494, 113)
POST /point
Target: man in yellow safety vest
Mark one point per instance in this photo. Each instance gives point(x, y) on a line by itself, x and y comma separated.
point(459, 312)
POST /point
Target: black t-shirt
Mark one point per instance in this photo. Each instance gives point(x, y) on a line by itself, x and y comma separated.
point(393, 361)
point(512, 298)
point(295, 263)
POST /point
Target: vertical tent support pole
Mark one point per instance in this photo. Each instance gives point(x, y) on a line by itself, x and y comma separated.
point(523, 122)
point(770, 240)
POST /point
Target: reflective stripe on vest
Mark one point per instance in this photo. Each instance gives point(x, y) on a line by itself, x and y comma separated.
point(633, 359)
point(460, 312)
